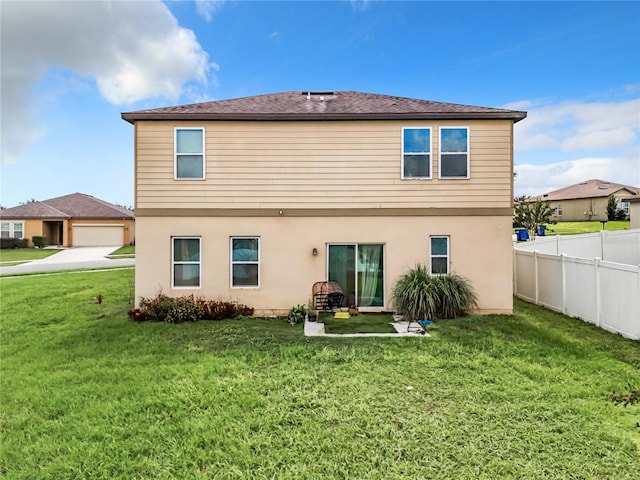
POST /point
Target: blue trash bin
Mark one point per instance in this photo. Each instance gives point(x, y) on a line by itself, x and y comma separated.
point(541, 230)
point(522, 235)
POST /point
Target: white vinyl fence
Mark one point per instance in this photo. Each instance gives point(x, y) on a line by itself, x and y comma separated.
point(550, 272)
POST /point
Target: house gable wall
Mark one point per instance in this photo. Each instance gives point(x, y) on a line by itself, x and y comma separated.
point(573, 210)
point(480, 251)
point(318, 165)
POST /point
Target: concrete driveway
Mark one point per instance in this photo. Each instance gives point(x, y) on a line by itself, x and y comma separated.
point(69, 259)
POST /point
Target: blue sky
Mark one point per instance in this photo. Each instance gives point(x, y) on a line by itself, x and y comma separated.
point(70, 68)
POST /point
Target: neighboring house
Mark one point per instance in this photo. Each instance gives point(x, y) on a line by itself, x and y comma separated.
point(634, 210)
point(70, 220)
point(587, 201)
point(255, 199)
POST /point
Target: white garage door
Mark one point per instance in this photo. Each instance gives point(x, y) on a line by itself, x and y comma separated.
point(97, 235)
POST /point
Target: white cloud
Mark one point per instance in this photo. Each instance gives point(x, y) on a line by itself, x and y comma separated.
point(360, 5)
point(206, 8)
point(132, 50)
point(565, 143)
point(538, 179)
point(576, 125)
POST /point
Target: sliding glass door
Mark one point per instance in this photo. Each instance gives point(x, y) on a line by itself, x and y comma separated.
point(359, 269)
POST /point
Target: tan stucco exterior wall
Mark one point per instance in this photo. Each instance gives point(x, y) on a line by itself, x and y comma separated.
point(574, 210)
point(480, 250)
point(634, 212)
point(36, 227)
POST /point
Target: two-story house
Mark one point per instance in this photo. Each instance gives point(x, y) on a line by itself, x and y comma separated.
point(256, 199)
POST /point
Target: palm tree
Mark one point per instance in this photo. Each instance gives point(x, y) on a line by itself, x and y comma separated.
point(530, 214)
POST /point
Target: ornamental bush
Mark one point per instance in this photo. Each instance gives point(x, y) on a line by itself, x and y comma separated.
point(13, 243)
point(39, 241)
point(163, 308)
point(418, 295)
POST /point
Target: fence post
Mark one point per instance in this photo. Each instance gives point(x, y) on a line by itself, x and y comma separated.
point(596, 264)
point(564, 283)
point(557, 244)
point(515, 271)
point(535, 269)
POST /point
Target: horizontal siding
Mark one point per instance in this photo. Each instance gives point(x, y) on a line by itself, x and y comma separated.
point(318, 164)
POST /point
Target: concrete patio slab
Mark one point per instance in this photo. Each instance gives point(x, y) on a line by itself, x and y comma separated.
point(316, 329)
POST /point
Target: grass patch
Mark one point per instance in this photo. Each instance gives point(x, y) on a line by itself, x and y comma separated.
point(128, 251)
point(14, 256)
point(362, 323)
point(575, 228)
point(86, 393)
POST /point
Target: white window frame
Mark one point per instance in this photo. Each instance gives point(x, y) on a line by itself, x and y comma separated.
point(244, 262)
point(176, 154)
point(174, 263)
point(428, 154)
point(440, 153)
point(12, 229)
point(622, 205)
point(559, 210)
point(432, 255)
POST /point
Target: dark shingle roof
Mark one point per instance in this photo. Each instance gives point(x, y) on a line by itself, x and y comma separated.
point(75, 205)
point(322, 106)
point(589, 189)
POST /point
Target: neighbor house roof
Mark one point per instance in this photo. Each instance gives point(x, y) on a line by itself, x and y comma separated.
point(589, 189)
point(75, 205)
point(343, 105)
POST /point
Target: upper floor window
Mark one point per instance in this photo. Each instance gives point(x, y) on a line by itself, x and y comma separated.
point(416, 153)
point(439, 255)
point(245, 261)
point(189, 153)
point(454, 152)
point(12, 230)
point(185, 258)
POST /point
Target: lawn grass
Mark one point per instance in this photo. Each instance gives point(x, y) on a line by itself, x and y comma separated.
point(86, 393)
point(127, 251)
point(14, 256)
point(574, 228)
point(362, 323)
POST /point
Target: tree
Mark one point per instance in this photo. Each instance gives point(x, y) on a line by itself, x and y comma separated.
point(611, 208)
point(530, 214)
point(613, 212)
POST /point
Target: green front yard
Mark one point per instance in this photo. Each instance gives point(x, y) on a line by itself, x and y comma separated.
point(87, 393)
point(14, 256)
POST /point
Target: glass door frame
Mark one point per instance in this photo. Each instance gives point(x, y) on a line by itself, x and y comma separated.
point(355, 269)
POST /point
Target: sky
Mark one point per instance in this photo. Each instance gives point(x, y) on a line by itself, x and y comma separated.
point(70, 68)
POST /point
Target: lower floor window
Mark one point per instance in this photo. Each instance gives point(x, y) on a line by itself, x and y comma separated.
point(186, 261)
point(439, 255)
point(12, 230)
point(359, 270)
point(245, 261)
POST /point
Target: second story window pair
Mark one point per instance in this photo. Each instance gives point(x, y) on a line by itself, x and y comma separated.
point(189, 154)
point(417, 157)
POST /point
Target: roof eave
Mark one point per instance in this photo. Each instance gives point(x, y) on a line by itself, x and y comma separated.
point(132, 117)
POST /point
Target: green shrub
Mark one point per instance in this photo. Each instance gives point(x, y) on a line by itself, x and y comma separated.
point(39, 241)
point(163, 308)
point(297, 314)
point(13, 243)
point(419, 295)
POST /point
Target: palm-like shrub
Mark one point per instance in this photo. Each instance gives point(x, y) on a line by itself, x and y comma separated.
point(419, 295)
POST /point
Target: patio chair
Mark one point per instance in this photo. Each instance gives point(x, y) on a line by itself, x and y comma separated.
point(327, 296)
